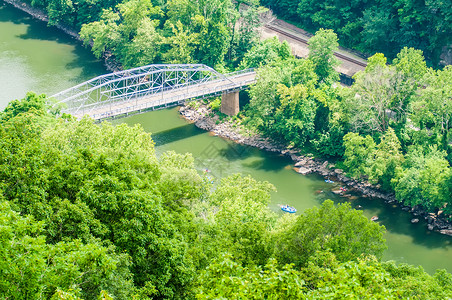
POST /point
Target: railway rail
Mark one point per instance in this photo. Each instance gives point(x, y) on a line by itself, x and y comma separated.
point(305, 41)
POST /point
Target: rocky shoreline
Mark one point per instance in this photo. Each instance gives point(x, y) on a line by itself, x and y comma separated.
point(203, 118)
point(40, 15)
point(303, 164)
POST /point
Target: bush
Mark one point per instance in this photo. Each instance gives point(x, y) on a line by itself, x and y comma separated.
point(215, 104)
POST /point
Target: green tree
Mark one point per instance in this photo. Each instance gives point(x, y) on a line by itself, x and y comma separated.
point(424, 180)
point(294, 115)
point(358, 153)
point(412, 64)
point(88, 182)
point(31, 102)
point(243, 218)
point(181, 45)
point(386, 159)
point(263, 93)
point(343, 231)
point(433, 108)
point(323, 278)
point(145, 47)
point(380, 95)
point(127, 32)
point(321, 52)
point(378, 26)
point(213, 42)
point(304, 73)
point(266, 52)
point(30, 268)
point(247, 35)
point(226, 279)
point(102, 35)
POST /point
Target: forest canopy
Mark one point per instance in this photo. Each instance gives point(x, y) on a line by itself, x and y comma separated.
point(390, 127)
point(141, 32)
point(88, 210)
point(375, 26)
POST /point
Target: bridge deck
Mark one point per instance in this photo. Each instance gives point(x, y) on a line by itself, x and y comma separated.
point(168, 97)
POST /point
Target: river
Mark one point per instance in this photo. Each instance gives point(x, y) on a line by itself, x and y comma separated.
point(34, 57)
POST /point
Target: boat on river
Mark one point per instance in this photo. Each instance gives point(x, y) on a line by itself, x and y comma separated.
point(288, 209)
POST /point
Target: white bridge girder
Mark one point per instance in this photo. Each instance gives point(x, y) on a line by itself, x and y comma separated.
point(147, 87)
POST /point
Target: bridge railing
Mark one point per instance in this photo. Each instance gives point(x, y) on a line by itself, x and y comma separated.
point(124, 84)
point(178, 99)
point(88, 108)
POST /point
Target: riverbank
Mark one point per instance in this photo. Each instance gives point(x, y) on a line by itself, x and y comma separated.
point(39, 14)
point(109, 61)
point(303, 164)
point(204, 118)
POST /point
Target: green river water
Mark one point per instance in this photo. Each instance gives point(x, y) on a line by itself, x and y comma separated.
point(34, 57)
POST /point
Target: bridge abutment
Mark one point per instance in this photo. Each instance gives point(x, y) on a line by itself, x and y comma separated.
point(230, 103)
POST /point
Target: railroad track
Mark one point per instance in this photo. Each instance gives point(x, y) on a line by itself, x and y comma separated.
point(304, 41)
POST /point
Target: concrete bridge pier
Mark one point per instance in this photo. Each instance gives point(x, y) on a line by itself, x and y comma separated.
point(230, 103)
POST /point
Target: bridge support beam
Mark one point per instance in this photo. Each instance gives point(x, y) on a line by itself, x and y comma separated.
point(230, 103)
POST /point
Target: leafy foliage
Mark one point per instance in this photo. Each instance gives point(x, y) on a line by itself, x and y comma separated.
point(89, 211)
point(341, 230)
point(365, 278)
point(321, 52)
point(375, 26)
point(291, 101)
point(140, 32)
point(266, 52)
point(424, 180)
point(31, 268)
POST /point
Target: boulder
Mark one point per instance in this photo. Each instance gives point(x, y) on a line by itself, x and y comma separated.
point(338, 171)
point(415, 220)
point(300, 163)
point(324, 172)
point(446, 231)
point(303, 170)
point(295, 157)
point(430, 218)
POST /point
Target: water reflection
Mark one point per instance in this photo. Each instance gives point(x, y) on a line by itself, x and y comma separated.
point(35, 57)
point(46, 63)
point(175, 134)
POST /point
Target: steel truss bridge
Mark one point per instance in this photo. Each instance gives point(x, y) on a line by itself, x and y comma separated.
point(147, 88)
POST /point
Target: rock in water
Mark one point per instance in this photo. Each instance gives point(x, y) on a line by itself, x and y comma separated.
point(303, 171)
point(300, 163)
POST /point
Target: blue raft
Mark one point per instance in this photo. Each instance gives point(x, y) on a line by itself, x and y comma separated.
point(288, 209)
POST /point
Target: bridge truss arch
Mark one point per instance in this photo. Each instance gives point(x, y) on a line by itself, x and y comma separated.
point(108, 95)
